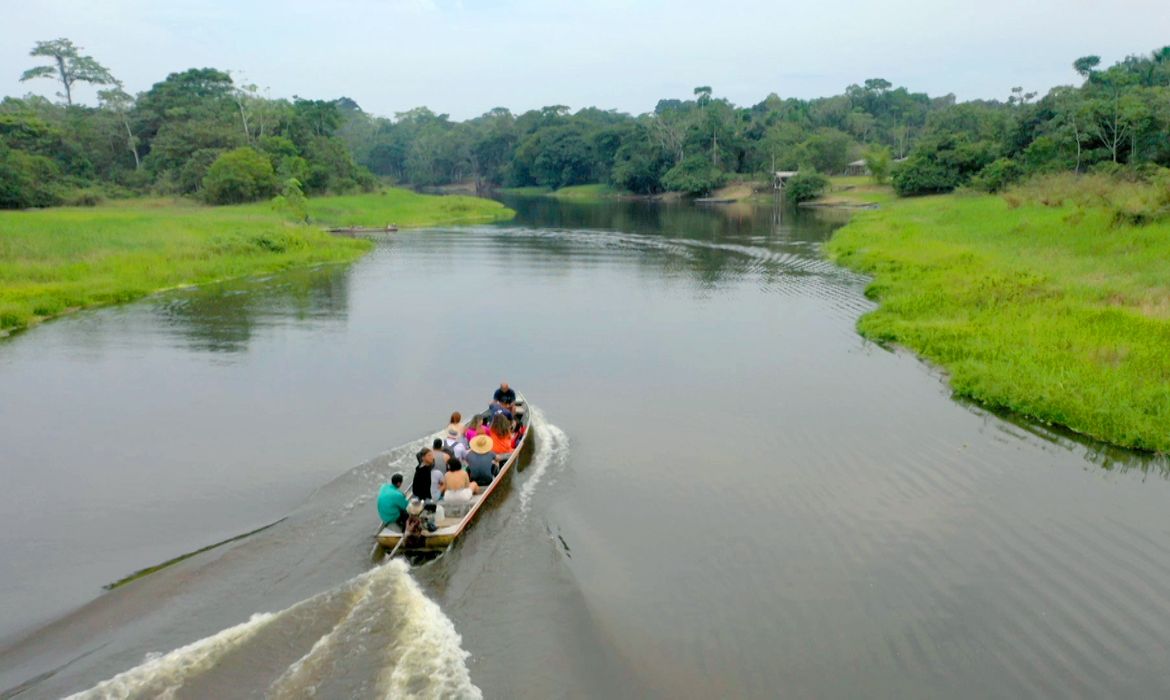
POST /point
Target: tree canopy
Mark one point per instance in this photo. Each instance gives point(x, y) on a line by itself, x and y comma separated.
point(166, 139)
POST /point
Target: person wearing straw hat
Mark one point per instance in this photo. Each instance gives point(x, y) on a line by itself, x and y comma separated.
point(481, 463)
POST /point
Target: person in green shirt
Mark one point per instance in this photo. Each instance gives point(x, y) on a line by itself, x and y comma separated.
point(392, 502)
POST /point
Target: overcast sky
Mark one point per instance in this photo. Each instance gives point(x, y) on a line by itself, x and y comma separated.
point(464, 57)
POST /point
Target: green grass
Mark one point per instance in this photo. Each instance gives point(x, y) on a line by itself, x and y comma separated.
point(577, 193)
point(404, 208)
point(1051, 311)
point(534, 191)
point(855, 191)
point(585, 192)
point(53, 261)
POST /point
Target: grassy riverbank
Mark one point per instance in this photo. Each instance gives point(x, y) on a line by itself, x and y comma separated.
point(578, 193)
point(404, 208)
point(53, 261)
point(1034, 303)
point(854, 192)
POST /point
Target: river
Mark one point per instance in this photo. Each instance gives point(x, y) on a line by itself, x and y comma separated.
point(730, 493)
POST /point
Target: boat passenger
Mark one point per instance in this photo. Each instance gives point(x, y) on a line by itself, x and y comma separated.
point(495, 408)
point(421, 486)
point(458, 486)
point(456, 423)
point(441, 455)
point(455, 444)
point(392, 502)
point(505, 396)
point(501, 435)
point(475, 428)
point(481, 465)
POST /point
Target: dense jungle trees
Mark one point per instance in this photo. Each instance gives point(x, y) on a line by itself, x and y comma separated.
point(167, 139)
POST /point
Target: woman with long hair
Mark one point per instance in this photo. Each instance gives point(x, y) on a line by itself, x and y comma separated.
point(475, 427)
point(501, 435)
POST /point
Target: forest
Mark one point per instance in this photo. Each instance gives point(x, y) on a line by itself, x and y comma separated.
point(201, 133)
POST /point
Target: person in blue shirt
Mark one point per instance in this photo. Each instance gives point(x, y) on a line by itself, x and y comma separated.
point(392, 502)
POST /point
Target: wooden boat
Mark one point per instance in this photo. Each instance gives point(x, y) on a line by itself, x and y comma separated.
point(457, 517)
point(352, 230)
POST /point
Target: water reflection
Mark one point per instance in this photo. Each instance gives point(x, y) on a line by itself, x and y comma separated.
point(682, 219)
point(1102, 455)
point(712, 245)
point(222, 318)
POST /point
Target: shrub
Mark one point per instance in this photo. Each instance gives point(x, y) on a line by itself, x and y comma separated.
point(292, 201)
point(805, 187)
point(940, 164)
point(998, 175)
point(694, 175)
point(922, 176)
point(88, 197)
point(878, 159)
point(240, 175)
point(27, 180)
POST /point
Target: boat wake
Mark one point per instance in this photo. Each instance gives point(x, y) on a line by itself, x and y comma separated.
point(387, 639)
point(342, 630)
point(552, 449)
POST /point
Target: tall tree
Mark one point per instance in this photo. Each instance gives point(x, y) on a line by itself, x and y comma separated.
point(69, 66)
point(119, 102)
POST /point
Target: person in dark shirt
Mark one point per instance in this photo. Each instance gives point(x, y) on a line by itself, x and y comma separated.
point(420, 487)
point(505, 396)
point(481, 464)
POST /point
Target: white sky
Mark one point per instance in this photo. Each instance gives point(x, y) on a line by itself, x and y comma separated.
point(464, 57)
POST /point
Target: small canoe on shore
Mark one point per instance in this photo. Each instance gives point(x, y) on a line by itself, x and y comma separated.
point(458, 516)
point(351, 230)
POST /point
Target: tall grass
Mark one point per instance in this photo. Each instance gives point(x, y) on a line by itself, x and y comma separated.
point(1043, 302)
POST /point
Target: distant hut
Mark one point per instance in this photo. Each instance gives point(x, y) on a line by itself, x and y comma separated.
point(857, 167)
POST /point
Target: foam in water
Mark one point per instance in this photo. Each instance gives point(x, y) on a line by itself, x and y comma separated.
point(552, 447)
point(387, 631)
point(161, 676)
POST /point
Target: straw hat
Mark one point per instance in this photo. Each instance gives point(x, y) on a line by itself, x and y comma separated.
point(481, 444)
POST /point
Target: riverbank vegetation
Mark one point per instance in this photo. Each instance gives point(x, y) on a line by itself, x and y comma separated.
point(202, 133)
point(1051, 301)
point(197, 133)
point(404, 208)
point(57, 260)
point(1110, 118)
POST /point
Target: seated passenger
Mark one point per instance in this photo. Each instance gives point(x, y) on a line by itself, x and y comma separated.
point(392, 502)
point(441, 454)
point(475, 428)
point(504, 396)
point(497, 409)
point(421, 486)
point(458, 486)
point(501, 435)
point(456, 424)
point(455, 444)
point(481, 465)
